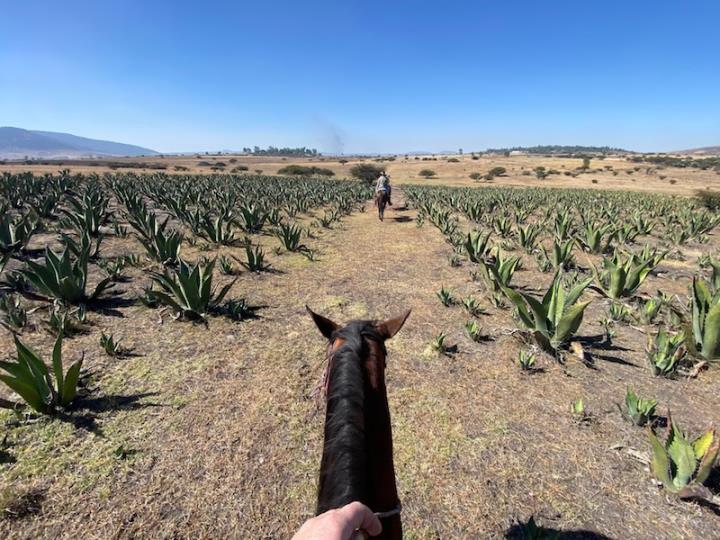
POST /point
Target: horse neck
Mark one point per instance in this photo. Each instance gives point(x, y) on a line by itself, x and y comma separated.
point(381, 469)
point(357, 462)
point(343, 469)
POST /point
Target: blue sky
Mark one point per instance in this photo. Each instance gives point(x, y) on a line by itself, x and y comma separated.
point(365, 76)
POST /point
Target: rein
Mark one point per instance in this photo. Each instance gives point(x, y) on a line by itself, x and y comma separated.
point(390, 513)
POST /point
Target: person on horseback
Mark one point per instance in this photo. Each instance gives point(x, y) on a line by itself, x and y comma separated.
point(383, 184)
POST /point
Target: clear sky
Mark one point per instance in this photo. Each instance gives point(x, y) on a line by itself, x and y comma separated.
point(365, 76)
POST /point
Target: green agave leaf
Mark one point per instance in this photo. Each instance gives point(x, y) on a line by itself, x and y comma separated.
point(703, 442)
point(711, 331)
point(539, 314)
point(683, 458)
point(69, 388)
point(660, 461)
point(27, 392)
point(57, 362)
point(708, 461)
point(517, 299)
point(570, 322)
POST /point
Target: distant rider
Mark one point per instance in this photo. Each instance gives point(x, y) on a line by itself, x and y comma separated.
point(383, 184)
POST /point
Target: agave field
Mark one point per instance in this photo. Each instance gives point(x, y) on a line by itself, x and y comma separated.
point(643, 266)
point(560, 366)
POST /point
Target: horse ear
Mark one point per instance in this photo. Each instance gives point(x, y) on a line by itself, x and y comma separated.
point(391, 327)
point(326, 326)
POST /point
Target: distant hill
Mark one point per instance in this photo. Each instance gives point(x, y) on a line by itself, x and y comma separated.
point(704, 151)
point(17, 143)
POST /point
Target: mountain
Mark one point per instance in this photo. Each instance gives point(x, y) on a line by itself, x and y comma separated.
point(17, 143)
point(705, 151)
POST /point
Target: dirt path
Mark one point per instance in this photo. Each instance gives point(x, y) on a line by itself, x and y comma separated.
point(222, 440)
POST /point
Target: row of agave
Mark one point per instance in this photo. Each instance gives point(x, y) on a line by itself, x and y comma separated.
point(630, 234)
point(163, 213)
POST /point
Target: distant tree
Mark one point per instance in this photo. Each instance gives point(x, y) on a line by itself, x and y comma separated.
point(460, 151)
point(496, 171)
point(365, 172)
point(586, 163)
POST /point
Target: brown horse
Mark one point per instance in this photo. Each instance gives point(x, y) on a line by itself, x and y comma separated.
point(357, 459)
point(381, 200)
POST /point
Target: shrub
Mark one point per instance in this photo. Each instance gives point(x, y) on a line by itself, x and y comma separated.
point(427, 173)
point(475, 176)
point(453, 160)
point(365, 172)
point(301, 170)
point(709, 199)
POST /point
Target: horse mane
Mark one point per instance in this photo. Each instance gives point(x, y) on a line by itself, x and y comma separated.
point(343, 471)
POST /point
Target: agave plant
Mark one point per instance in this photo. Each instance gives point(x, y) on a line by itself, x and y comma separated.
point(252, 218)
point(620, 278)
point(62, 322)
point(618, 312)
point(189, 291)
point(555, 319)
point(31, 379)
point(471, 305)
point(527, 236)
point(86, 245)
point(703, 338)
point(445, 296)
point(473, 330)
point(683, 465)
point(561, 255)
point(89, 213)
point(218, 230)
point(110, 345)
point(254, 259)
point(592, 239)
point(648, 310)
point(13, 312)
point(164, 247)
point(526, 360)
point(477, 246)
point(15, 233)
point(577, 409)
point(64, 278)
point(239, 310)
point(498, 272)
point(289, 236)
point(664, 352)
point(638, 410)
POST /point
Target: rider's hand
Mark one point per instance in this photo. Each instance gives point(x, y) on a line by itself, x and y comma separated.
point(340, 524)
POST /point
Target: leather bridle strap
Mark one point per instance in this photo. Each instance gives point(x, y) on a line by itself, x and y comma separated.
point(394, 512)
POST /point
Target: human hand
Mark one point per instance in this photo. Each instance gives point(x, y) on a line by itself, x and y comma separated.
point(340, 524)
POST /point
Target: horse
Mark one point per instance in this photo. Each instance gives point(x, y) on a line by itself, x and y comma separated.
point(357, 458)
point(381, 200)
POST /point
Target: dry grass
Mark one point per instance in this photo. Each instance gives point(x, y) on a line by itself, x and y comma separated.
point(211, 433)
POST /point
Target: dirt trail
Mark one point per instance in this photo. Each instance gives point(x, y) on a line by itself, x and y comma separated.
point(226, 441)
